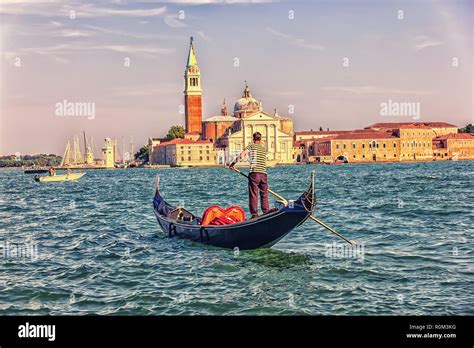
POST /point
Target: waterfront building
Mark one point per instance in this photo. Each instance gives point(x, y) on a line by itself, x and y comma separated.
point(454, 146)
point(231, 134)
point(153, 149)
point(225, 135)
point(108, 153)
point(186, 152)
point(385, 142)
point(437, 128)
point(220, 138)
point(415, 142)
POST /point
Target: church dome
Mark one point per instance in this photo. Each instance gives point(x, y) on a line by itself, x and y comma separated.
point(247, 104)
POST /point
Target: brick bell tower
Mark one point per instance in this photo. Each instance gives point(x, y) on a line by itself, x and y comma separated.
point(193, 93)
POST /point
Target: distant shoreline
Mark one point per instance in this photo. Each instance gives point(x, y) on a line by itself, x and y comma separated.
point(243, 166)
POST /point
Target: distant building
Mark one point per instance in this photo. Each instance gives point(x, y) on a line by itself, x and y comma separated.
point(185, 152)
point(231, 134)
point(437, 128)
point(224, 135)
point(384, 142)
point(454, 146)
point(108, 153)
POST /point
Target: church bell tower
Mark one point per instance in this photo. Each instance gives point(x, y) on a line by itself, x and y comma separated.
point(193, 93)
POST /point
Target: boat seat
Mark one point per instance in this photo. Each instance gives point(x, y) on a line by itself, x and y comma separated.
point(181, 214)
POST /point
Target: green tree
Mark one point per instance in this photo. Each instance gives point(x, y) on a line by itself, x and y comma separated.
point(468, 129)
point(142, 154)
point(176, 131)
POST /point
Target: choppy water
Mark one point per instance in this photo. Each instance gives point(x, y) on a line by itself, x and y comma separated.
point(100, 250)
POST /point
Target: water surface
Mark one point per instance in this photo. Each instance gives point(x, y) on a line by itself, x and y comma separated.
point(100, 249)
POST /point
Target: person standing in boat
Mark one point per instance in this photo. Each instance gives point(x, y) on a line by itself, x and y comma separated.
point(257, 155)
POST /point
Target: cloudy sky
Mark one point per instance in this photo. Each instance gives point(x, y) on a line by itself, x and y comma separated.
point(323, 63)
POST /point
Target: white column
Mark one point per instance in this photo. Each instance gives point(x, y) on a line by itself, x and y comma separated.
point(268, 136)
point(276, 140)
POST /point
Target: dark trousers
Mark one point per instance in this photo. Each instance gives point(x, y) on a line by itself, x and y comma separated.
point(258, 181)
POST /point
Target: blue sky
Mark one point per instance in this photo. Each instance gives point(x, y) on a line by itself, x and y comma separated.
point(290, 62)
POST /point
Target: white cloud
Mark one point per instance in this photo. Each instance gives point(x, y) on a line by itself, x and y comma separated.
point(295, 41)
point(173, 22)
point(58, 9)
point(75, 33)
point(422, 41)
point(58, 51)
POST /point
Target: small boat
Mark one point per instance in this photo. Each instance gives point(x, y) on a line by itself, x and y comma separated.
point(60, 177)
point(35, 171)
point(262, 232)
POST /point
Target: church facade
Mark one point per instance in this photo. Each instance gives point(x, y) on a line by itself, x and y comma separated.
point(228, 134)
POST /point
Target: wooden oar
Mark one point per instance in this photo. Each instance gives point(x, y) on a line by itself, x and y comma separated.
point(315, 219)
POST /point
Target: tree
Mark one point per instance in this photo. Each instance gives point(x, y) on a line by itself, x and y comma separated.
point(142, 154)
point(468, 129)
point(320, 129)
point(176, 131)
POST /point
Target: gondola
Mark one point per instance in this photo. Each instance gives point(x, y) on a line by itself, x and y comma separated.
point(262, 232)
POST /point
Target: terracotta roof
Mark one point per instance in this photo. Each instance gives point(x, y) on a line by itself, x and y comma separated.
point(366, 135)
point(320, 132)
point(298, 143)
point(329, 137)
point(184, 141)
point(413, 126)
point(220, 118)
point(398, 124)
point(468, 136)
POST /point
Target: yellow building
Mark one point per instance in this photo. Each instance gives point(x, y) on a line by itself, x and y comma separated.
point(415, 142)
point(186, 152)
point(358, 147)
point(437, 128)
point(454, 147)
point(385, 142)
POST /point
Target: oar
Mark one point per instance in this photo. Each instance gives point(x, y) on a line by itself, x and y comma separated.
point(351, 242)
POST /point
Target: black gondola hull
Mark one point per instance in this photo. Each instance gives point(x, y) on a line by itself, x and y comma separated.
point(262, 232)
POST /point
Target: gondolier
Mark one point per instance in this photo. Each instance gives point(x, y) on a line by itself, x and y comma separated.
point(257, 155)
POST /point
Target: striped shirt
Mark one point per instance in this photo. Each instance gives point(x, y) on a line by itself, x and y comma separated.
point(257, 158)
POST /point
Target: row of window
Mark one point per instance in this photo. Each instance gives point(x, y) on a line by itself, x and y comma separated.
point(189, 152)
point(200, 158)
point(363, 156)
point(414, 133)
point(414, 144)
point(189, 147)
point(372, 144)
